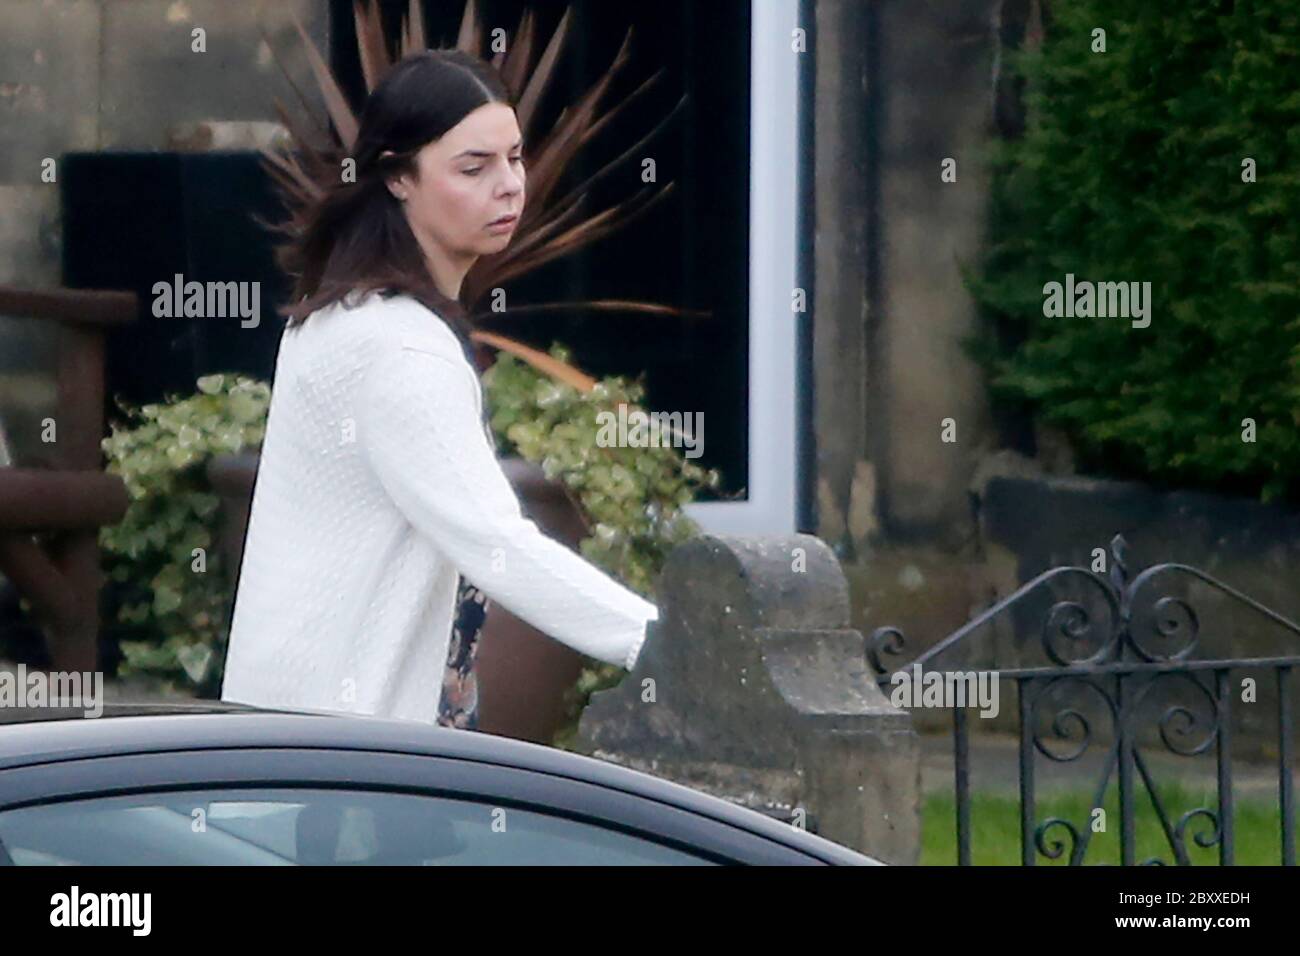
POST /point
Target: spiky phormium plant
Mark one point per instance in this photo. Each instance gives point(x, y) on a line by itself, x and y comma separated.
point(551, 225)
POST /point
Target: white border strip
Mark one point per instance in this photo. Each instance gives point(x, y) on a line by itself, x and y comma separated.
point(771, 507)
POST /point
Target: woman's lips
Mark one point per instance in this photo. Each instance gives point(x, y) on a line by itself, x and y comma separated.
point(504, 224)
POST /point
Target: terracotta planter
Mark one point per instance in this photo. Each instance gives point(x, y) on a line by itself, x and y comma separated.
point(522, 673)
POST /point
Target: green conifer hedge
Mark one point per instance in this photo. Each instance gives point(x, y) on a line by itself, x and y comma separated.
point(1173, 157)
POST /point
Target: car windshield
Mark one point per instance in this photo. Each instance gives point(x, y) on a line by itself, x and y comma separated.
point(289, 826)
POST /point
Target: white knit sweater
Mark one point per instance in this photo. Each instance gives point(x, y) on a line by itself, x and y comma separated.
point(377, 486)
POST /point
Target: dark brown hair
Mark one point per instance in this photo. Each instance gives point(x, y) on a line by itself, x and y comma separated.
point(353, 236)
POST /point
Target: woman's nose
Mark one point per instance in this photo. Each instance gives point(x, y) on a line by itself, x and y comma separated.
point(512, 182)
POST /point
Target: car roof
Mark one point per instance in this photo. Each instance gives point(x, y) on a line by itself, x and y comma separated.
point(206, 725)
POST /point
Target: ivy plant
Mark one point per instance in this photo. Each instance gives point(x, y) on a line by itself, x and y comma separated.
point(631, 497)
point(170, 585)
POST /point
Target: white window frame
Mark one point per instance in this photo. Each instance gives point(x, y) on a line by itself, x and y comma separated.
point(771, 505)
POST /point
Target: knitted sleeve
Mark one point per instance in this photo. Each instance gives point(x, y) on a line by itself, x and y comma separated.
point(419, 427)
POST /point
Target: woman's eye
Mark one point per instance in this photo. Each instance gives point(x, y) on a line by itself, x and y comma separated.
point(475, 170)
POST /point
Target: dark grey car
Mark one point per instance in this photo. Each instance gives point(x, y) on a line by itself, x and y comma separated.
point(228, 785)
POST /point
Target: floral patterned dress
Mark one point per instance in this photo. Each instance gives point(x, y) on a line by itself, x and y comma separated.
point(459, 704)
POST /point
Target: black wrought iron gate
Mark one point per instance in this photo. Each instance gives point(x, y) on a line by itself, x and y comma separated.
point(1148, 643)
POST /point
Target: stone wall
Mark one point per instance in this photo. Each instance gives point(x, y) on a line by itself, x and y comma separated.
point(114, 74)
point(905, 84)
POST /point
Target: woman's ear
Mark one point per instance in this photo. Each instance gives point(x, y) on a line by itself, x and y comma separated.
point(396, 184)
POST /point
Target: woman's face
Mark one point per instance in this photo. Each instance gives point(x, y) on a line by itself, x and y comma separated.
point(471, 176)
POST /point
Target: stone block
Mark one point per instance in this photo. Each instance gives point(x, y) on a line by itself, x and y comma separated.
point(753, 686)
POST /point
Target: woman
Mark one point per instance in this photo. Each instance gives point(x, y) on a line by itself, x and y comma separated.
point(378, 484)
